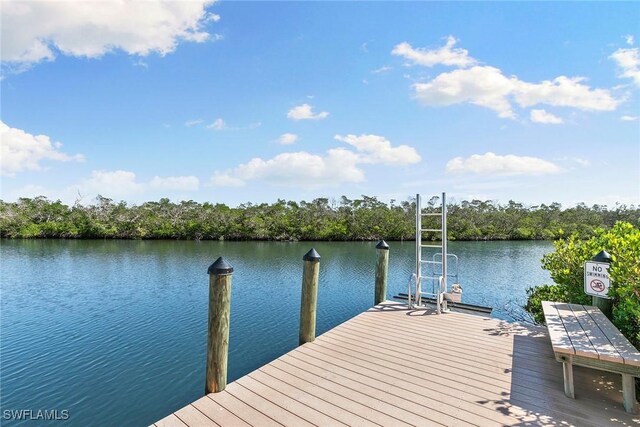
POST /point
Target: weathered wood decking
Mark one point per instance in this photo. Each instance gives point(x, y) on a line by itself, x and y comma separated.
point(390, 366)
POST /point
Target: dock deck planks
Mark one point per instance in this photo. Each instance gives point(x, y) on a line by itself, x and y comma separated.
point(393, 367)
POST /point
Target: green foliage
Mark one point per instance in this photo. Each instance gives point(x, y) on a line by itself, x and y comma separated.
point(566, 266)
point(365, 218)
point(536, 295)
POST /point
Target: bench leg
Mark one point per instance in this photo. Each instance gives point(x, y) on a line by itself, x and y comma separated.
point(629, 393)
point(567, 370)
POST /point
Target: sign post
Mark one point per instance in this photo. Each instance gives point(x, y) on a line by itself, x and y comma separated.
point(596, 281)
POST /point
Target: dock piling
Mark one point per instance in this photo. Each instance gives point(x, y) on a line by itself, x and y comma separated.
point(382, 270)
point(220, 273)
point(309, 300)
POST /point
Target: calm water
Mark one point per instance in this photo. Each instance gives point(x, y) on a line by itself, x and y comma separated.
point(115, 331)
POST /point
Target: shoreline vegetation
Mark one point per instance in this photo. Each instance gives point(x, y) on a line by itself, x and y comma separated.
point(566, 267)
point(343, 219)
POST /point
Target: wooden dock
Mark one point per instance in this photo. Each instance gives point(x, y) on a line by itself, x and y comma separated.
point(390, 367)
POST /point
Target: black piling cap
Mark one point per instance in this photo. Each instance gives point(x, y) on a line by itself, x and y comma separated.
point(382, 245)
point(602, 256)
point(312, 255)
point(221, 266)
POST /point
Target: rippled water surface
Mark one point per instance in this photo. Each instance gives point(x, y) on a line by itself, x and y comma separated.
point(115, 331)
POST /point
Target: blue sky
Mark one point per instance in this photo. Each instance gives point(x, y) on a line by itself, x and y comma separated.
point(253, 101)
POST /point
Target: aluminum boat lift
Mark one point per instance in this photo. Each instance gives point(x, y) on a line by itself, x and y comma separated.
point(431, 278)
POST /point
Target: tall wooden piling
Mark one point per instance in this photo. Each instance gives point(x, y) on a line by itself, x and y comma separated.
point(309, 300)
point(382, 270)
point(220, 273)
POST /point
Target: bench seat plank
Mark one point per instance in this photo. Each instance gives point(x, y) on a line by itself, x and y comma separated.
point(596, 343)
point(579, 339)
point(557, 332)
point(606, 350)
point(629, 353)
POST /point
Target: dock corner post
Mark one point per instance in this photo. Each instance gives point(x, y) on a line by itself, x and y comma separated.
point(309, 300)
point(382, 270)
point(220, 273)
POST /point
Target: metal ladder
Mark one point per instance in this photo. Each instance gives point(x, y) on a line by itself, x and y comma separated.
point(437, 277)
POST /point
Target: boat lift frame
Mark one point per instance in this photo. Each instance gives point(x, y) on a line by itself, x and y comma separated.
point(442, 284)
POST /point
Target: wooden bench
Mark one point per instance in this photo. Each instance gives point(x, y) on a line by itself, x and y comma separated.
point(581, 335)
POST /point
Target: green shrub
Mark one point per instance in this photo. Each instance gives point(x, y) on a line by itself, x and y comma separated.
point(566, 265)
point(536, 295)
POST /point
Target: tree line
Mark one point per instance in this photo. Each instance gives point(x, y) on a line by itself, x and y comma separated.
point(343, 219)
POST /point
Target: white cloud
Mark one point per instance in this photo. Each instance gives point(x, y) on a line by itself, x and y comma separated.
point(488, 87)
point(382, 69)
point(629, 39)
point(337, 166)
point(582, 162)
point(541, 116)
point(112, 184)
point(564, 92)
point(377, 149)
point(22, 151)
point(287, 138)
point(117, 185)
point(305, 112)
point(177, 183)
point(224, 179)
point(493, 164)
point(628, 61)
point(140, 63)
point(445, 55)
point(190, 123)
point(218, 124)
point(123, 184)
point(481, 85)
point(33, 31)
point(570, 160)
point(629, 118)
